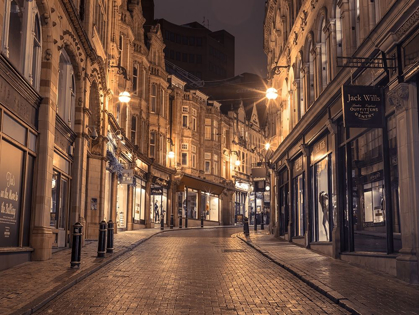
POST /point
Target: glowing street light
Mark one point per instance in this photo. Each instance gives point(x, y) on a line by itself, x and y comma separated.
point(271, 93)
point(124, 97)
point(237, 163)
point(171, 154)
point(267, 146)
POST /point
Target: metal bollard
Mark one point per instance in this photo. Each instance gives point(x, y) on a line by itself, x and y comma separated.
point(262, 224)
point(186, 221)
point(162, 222)
point(109, 247)
point(76, 248)
point(101, 244)
point(171, 221)
point(246, 226)
point(180, 221)
point(202, 220)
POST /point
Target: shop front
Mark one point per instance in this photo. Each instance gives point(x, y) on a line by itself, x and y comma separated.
point(199, 198)
point(18, 148)
point(241, 201)
point(283, 202)
point(158, 202)
point(321, 218)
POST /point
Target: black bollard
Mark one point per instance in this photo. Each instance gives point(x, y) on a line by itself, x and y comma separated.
point(202, 220)
point(262, 224)
point(76, 248)
point(109, 248)
point(180, 221)
point(186, 221)
point(171, 221)
point(246, 226)
point(256, 223)
point(101, 244)
point(162, 223)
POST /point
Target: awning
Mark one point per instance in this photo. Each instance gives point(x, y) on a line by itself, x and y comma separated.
point(200, 184)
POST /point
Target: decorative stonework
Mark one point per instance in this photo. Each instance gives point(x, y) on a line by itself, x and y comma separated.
point(305, 150)
point(331, 126)
point(303, 20)
point(411, 21)
point(399, 96)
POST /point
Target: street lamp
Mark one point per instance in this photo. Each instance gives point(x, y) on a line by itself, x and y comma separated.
point(271, 93)
point(124, 97)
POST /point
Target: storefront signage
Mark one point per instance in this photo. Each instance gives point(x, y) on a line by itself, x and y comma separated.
point(373, 177)
point(156, 191)
point(363, 107)
point(242, 186)
point(127, 177)
point(160, 181)
point(298, 165)
point(319, 150)
point(11, 163)
point(259, 173)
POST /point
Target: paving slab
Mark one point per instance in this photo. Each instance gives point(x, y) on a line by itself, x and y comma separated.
point(358, 290)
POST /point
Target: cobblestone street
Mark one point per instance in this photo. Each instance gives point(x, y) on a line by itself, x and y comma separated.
point(192, 272)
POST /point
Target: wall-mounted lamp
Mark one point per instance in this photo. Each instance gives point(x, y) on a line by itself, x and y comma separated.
point(93, 133)
point(171, 153)
point(124, 97)
point(276, 71)
point(237, 162)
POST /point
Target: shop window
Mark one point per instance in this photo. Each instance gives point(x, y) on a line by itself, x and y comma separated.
point(13, 129)
point(59, 211)
point(321, 215)
point(298, 205)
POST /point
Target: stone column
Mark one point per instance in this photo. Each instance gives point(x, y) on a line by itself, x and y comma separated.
point(336, 182)
point(318, 84)
point(114, 193)
point(307, 196)
point(147, 200)
point(290, 196)
point(404, 98)
point(129, 207)
point(347, 38)
point(332, 49)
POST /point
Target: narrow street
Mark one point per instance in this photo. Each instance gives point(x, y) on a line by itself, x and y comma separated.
point(192, 272)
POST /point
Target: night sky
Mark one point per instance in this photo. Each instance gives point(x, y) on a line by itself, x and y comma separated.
point(241, 18)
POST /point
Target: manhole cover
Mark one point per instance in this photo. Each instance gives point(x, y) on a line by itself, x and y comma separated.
point(233, 250)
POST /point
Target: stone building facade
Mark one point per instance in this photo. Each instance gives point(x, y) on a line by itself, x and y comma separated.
point(72, 149)
point(342, 188)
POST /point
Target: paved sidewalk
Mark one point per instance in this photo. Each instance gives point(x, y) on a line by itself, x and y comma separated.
point(358, 290)
point(27, 287)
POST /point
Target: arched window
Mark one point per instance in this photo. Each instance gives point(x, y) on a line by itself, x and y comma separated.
point(323, 50)
point(22, 38)
point(311, 73)
point(300, 88)
point(66, 90)
point(36, 53)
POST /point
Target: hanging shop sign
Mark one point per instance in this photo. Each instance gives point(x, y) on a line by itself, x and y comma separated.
point(127, 177)
point(363, 106)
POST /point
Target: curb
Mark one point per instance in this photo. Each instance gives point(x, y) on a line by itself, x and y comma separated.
point(325, 290)
point(47, 297)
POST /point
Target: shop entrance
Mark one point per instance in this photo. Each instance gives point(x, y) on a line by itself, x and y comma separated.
point(59, 213)
point(158, 203)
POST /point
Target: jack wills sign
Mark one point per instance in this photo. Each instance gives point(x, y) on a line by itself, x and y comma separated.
point(363, 106)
